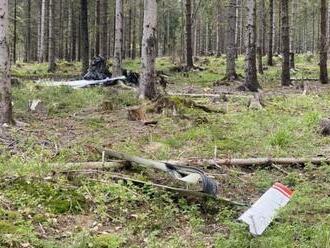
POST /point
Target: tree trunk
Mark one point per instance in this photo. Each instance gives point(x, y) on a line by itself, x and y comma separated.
point(134, 36)
point(231, 46)
point(271, 33)
point(260, 35)
point(104, 28)
point(15, 33)
point(285, 43)
point(28, 47)
point(189, 52)
point(42, 32)
point(5, 87)
point(73, 54)
point(61, 36)
point(117, 58)
point(46, 37)
point(149, 41)
point(84, 36)
point(129, 30)
point(218, 45)
point(97, 27)
point(251, 80)
point(52, 65)
point(323, 43)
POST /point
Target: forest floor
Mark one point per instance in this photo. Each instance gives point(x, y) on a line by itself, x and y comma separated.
point(41, 208)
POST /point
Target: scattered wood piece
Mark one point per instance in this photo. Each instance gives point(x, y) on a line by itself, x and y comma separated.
point(147, 123)
point(89, 165)
point(107, 106)
point(194, 95)
point(279, 168)
point(325, 127)
point(175, 103)
point(305, 79)
point(37, 106)
point(136, 113)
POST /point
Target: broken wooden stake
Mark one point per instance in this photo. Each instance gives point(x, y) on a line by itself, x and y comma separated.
point(182, 173)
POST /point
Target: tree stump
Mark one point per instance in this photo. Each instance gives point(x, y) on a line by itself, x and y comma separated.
point(325, 127)
point(256, 102)
point(137, 114)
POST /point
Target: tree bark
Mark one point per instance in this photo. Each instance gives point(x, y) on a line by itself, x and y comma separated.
point(28, 47)
point(84, 36)
point(271, 33)
point(218, 45)
point(323, 43)
point(104, 29)
point(73, 54)
point(117, 58)
point(15, 33)
point(134, 35)
point(5, 87)
point(52, 65)
point(251, 80)
point(97, 27)
point(149, 41)
point(189, 52)
point(231, 46)
point(260, 35)
point(42, 32)
point(285, 43)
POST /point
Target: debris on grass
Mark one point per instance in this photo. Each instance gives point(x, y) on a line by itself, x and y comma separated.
point(261, 214)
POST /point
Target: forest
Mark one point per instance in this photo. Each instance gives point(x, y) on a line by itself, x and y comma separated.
point(164, 123)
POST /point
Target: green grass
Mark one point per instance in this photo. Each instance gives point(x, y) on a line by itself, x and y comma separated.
point(120, 214)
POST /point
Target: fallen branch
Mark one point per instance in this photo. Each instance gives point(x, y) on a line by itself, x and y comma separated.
point(195, 95)
point(178, 190)
point(269, 161)
point(305, 79)
point(176, 102)
point(88, 165)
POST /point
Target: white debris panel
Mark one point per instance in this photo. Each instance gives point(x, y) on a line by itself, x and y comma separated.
point(261, 214)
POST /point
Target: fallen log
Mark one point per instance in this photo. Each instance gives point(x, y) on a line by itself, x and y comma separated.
point(268, 161)
point(220, 95)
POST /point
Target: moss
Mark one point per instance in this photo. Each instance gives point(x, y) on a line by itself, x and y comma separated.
point(7, 228)
point(54, 198)
point(107, 241)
